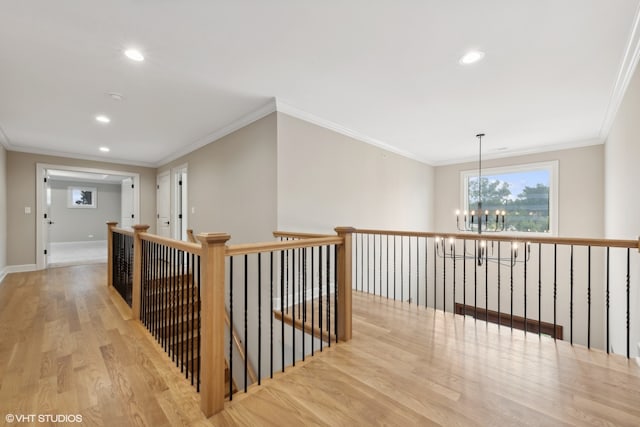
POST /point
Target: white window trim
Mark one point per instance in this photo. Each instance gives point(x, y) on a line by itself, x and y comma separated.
point(551, 166)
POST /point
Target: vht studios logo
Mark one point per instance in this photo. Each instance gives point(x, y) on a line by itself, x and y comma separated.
point(43, 418)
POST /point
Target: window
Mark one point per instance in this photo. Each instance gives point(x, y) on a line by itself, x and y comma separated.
point(527, 194)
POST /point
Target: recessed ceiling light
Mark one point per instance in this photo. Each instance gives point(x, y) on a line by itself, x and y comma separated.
point(134, 55)
point(471, 57)
point(105, 149)
point(103, 119)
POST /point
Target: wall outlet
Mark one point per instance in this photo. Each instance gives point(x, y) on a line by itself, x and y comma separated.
point(91, 236)
point(27, 210)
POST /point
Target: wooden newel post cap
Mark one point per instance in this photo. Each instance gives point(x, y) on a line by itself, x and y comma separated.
point(345, 230)
point(112, 224)
point(140, 228)
point(213, 238)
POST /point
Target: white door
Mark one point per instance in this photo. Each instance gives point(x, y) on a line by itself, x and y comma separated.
point(163, 203)
point(127, 217)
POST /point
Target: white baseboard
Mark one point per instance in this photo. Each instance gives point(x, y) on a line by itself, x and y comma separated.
point(19, 268)
point(3, 274)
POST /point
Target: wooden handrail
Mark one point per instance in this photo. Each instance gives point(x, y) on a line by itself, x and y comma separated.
point(236, 340)
point(296, 235)
point(500, 237)
point(253, 248)
point(125, 231)
point(192, 248)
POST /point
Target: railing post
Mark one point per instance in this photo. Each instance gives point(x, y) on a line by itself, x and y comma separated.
point(110, 226)
point(212, 267)
point(136, 288)
point(344, 283)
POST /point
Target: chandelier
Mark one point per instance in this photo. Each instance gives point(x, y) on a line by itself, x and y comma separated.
point(482, 222)
point(477, 220)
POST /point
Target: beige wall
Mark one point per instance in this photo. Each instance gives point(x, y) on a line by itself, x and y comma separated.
point(3, 209)
point(21, 192)
point(580, 189)
point(82, 225)
point(622, 175)
point(326, 179)
point(232, 183)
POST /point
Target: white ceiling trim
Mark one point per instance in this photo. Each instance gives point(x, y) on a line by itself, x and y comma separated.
point(237, 124)
point(290, 110)
point(627, 68)
point(34, 150)
point(523, 152)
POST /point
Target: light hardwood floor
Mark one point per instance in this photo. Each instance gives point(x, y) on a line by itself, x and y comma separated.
point(65, 348)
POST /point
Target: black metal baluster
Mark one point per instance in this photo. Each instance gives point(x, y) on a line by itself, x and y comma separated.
point(328, 295)
point(475, 279)
point(303, 318)
point(628, 294)
point(607, 299)
point(231, 328)
point(335, 292)
point(191, 308)
point(172, 305)
point(293, 307)
point(555, 288)
point(387, 266)
point(464, 276)
point(259, 319)
point(374, 264)
point(453, 252)
point(571, 299)
point(499, 286)
point(402, 268)
point(486, 281)
point(286, 281)
point(282, 296)
point(394, 267)
point(380, 264)
point(409, 239)
point(511, 284)
point(320, 312)
point(199, 305)
point(182, 317)
point(589, 297)
point(195, 320)
point(165, 296)
point(525, 288)
point(539, 288)
point(246, 304)
point(444, 276)
point(271, 314)
point(355, 265)
point(313, 275)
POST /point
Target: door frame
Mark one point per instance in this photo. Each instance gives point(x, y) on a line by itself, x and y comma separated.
point(177, 206)
point(41, 169)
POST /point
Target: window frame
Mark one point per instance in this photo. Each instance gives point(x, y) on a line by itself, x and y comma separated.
point(550, 166)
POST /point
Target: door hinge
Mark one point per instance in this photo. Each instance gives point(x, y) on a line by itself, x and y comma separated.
point(132, 216)
point(157, 186)
point(45, 179)
point(179, 216)
point(45, 251)
point(132, 186)
point(158, 216)
point(45, 216)
point(180, 182)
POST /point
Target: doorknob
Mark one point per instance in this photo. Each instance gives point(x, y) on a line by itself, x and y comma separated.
point(166, 223)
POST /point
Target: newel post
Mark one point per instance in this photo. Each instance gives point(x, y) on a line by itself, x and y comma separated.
point(110, 226)
point(344, 283)
point(212, 266)
point(136, 288)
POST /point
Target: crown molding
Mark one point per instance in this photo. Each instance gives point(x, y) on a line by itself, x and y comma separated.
point(237, 124)
point(523, 152)
point(627, 68)
point(64, 154)
point(288, 109)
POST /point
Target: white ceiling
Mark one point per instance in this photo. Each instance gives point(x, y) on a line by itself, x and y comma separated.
point(384, 71)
